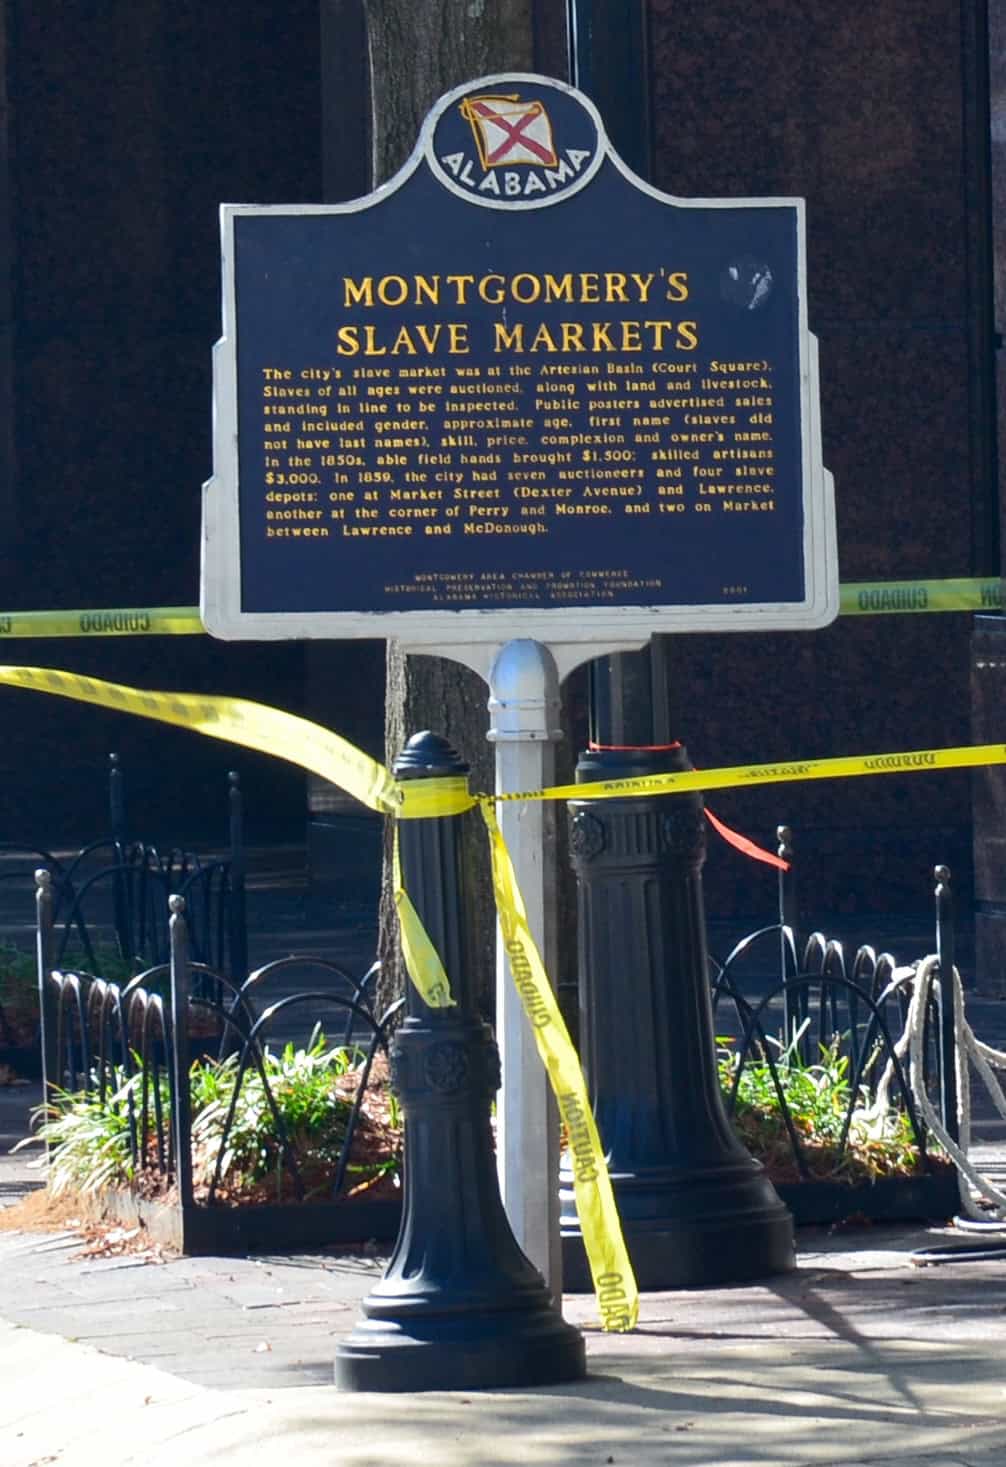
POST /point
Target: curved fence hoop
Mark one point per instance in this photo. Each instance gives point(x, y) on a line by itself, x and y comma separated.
point(299, 960)
point(253, 1052)
point(877, 1029)
point(70, 997)
point(226, 1013)
point(359, 987)
point(747, 944)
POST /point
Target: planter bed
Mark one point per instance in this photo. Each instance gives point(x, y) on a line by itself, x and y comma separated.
point(197, 1230)
point(889, 1199)
point(200, 1230)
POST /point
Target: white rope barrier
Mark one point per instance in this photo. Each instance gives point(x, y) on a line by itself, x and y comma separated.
point(974, 1186)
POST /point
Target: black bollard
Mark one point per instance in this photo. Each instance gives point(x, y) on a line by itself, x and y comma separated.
point(696, 1209)
point(460, 1306)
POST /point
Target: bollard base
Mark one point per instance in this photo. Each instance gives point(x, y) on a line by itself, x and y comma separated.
point(483, 1352)
point(692, 1253)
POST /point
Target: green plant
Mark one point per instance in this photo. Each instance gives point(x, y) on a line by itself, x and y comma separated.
point(108, 962)
point(312, 1091)
point(18, 996)
point(19, 984)
point(312, 1094)
point(88, 1139)
point(818, 1097)
point(18, 977)
point(19, 970)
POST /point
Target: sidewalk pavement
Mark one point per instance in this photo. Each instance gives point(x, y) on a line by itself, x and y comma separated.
point(858, 1357)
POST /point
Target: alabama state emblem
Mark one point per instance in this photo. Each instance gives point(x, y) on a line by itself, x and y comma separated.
point(514, 141)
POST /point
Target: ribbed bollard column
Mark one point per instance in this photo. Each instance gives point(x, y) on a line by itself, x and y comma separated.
point(460, 1306)
point(696, 1209)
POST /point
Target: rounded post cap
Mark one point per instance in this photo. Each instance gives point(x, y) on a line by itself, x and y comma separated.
point(428, 756)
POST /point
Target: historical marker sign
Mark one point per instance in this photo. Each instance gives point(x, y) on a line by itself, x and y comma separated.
point(516, 392)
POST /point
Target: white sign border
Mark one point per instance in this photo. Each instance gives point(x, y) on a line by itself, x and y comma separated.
point(220, 578)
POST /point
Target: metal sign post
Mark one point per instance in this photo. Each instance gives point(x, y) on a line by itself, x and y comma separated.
point(524, 709)
point(524, 680)
point(517, 399)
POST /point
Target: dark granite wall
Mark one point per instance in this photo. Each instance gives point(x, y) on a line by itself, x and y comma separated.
point(122, 138)
point(127, 127)
point(126, 130)
point(988, 664)
point(864, 110)
point(7, 460)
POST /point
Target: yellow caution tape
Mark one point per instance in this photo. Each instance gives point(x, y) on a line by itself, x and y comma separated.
point(846, 766)
point(610, 1268)
point(422, 961)
point(857, 598)
point(121, 621)
point(235, 720)
point(256, 726)
point(421, 798)
point(878, 598)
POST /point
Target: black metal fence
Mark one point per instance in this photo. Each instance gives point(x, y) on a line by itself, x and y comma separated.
point(791, 1004)
point(110, 903)
point(121, 884)
point(128, 1047)
point(825, 1034)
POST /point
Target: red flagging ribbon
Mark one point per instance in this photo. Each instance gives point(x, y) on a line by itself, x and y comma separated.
point(744, 845)
point(633, 748)
point(732, 837)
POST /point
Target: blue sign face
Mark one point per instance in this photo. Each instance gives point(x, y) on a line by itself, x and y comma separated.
point(518, 378)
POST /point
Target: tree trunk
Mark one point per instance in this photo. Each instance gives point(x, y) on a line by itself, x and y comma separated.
point(420, 49)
